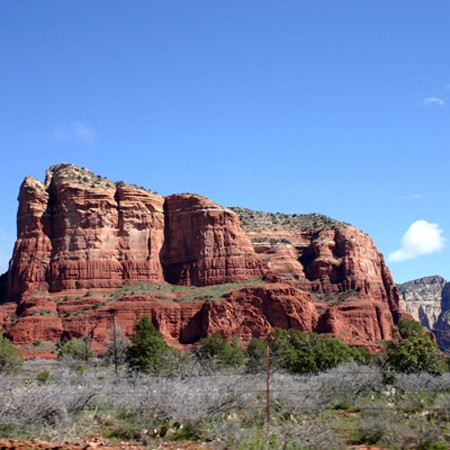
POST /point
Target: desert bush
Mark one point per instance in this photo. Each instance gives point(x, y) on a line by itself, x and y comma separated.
point(75, 349)
point(388, 427)
point(10, 358)
point(148, 351)
point(408, 327)
point(414, 354)
point(44, 376)
point(345, 404)
point(216, 347)
point(256, 355)
point(302, 352)
point(442, 404)
point(422, 382)
point(307, 434)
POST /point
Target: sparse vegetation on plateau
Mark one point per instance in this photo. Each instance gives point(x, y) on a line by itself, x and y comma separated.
point(259, 220)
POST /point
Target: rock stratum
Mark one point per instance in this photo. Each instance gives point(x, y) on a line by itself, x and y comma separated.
point(90, 251)
point(427, 299)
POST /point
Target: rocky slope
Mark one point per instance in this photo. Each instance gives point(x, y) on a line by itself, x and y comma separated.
point(427, 299)
point(422, 298)
point(340, 264)
point(442, 326)
point(83, 239)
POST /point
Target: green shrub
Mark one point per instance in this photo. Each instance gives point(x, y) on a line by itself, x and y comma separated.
point(331, 352)
point(292, 350)
point(415, 353)
point(256, 355)
point(77, 349)
point(230, 354)
point(302, 352)
point(408, 327)
point(148, 351)
point(79, 369)
point(44, 377)
point(362, 355)
point(11, 360)
point(342, 406)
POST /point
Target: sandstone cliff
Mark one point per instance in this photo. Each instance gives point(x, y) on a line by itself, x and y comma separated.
point(78, 231)
point(336, 261)
point(83, 239)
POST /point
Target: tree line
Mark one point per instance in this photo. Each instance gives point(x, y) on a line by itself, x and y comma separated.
point(297, 352)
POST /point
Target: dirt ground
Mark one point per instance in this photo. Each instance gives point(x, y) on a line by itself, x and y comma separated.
point(20, 444)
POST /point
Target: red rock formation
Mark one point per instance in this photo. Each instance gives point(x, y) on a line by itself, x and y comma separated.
point(255, 312)
point(358, 322)
point(246, 313)
point(205, 244)
point(252, 311)
point(79, 232)
point(322, 255)
point(81, 237)
point(31, 259)
point(140, 232)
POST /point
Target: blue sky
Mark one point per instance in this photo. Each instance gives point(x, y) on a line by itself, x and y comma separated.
point(339, 107)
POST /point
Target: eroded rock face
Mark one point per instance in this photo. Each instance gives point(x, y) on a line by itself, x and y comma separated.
point(422, 298)
point(80, 232)
point(321, 255)
point(255, 312)
point(252, 311)
point(29, 266)
point(81, 238)
point(205, 244)
point(427, 299)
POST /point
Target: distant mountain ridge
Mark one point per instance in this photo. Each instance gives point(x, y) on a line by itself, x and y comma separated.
point(427, 299)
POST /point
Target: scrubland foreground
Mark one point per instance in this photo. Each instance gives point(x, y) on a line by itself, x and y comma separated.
point(215, 408)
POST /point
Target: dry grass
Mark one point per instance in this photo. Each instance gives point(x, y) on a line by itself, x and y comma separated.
point(331, 410)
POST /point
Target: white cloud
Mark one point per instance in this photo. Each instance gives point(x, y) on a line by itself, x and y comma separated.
point(78, 131)
point(412, 197)
point(422, 238)
point(433, 101)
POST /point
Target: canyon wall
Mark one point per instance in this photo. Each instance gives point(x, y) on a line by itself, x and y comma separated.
point(82, 239)
point(78, 231)
point(427, 299)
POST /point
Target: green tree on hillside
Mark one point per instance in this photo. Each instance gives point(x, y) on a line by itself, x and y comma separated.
point(332, 352)
point(10, 357)
point(292, 350)
point(217, 347)
point(304, 352)
point(408, 327)
point(256, 355)
point(148, 351)
point(415, 353)
point(75, 349)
